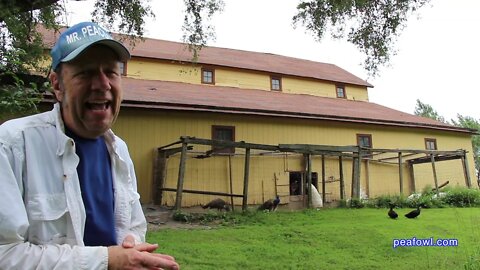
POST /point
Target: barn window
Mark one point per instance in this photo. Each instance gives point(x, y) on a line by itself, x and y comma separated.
point(275, 83)
point(223, 133)
point(430, 144)
point(365, 140)
point(208, 76)
point(341, 91)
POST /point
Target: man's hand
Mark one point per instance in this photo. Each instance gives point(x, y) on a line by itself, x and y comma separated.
point(141, 256)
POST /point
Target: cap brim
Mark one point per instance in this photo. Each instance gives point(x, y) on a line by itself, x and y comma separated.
point(117, 47)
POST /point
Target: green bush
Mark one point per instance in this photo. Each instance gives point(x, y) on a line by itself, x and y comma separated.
point(462, 197)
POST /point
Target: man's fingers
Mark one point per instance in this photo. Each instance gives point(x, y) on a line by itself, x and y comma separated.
point(128, 242)
point(159, 260)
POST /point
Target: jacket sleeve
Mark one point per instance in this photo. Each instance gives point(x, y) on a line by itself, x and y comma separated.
point(15, 251)
point(137, 224)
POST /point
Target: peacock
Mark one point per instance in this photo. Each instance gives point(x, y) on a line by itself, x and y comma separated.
point(218, 204)
point(270, 205)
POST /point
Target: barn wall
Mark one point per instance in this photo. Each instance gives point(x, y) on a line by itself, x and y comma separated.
point(168, 71)
point(145, 130)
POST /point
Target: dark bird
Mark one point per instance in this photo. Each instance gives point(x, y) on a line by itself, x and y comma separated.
point(413, 213)
point(218, 204)
point(270, 205)
point(391, 213)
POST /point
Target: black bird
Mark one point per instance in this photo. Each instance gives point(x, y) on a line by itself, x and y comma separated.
point(218, 204)
point(391, 213)
point(413, 213)
point(270, 205)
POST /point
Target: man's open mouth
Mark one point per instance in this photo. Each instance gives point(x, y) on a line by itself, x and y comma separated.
point(100, 106)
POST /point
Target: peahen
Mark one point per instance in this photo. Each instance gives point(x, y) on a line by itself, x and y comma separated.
point(218, 204)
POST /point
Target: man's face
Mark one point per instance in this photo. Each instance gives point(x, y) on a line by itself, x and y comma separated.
point(90, 92)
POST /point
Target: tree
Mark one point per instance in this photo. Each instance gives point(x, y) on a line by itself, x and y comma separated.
point(425, 110)
point(22, 76)
point(471, 123)
point(373, 25)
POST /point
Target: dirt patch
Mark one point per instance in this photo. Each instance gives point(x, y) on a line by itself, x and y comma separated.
point(161, 217)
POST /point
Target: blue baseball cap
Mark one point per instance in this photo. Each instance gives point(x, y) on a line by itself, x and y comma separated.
point(73, 41)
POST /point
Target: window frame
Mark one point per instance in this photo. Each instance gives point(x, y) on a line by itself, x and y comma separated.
point(429, 141)
point(367, 154)
point(124, 71)
point(279, 79)
point(215, 130)
point(344, 91)
point(207, 69)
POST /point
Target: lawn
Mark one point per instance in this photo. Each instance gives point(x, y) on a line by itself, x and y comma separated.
point(340, 238)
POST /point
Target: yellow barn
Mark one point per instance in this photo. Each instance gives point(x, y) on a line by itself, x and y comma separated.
point(264, 124)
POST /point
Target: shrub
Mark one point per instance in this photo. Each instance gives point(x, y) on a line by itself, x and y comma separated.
point(462, 197)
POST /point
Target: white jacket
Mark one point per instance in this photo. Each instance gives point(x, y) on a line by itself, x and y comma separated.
point(42, 216)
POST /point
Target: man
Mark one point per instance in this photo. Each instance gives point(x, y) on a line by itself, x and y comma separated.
point(68, 196)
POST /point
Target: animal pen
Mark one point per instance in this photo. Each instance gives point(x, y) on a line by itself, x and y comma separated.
point(247, 173)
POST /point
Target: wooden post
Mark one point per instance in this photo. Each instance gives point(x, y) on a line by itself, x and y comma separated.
point(342, 181)
point(466, 172)
point(367, 176)
point(245, 179)
point(323, 180)
point(357, 162)
point(400, 172)
point(412, 177)
point(231, 180)
point(181, 174)
point(432, 157)
point(159, 176)
point(309, 179)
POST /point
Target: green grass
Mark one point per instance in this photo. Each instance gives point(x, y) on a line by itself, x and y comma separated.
point(327, 239)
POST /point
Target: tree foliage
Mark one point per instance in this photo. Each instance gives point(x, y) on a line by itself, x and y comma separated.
point(425, 110)
point(371, 25)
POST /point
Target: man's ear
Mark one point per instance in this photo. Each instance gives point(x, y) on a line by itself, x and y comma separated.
point(55, 82)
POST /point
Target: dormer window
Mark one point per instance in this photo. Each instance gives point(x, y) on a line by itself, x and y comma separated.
point(276, 83)
point(341, 91)
point(208, 76)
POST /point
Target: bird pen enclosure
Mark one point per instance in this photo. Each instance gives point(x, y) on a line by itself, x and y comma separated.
point(191, 171)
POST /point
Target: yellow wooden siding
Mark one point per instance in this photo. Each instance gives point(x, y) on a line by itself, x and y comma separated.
point(188, 73)
point(148, 69)
point(145, 130)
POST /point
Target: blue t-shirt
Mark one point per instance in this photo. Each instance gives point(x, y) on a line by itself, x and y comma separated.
point(94, 172)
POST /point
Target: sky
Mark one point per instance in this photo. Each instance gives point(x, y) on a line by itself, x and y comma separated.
point(436, 60)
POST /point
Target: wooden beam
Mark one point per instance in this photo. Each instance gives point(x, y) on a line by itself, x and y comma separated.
point(204, 192)
point(439, 157)
point(466, 171)
point(181, 175)
point(230, 176)
point(400, 172)
point(432, 158)
point(323, 180)
point(342, 180)
point(245, 179)
point(412, 177)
